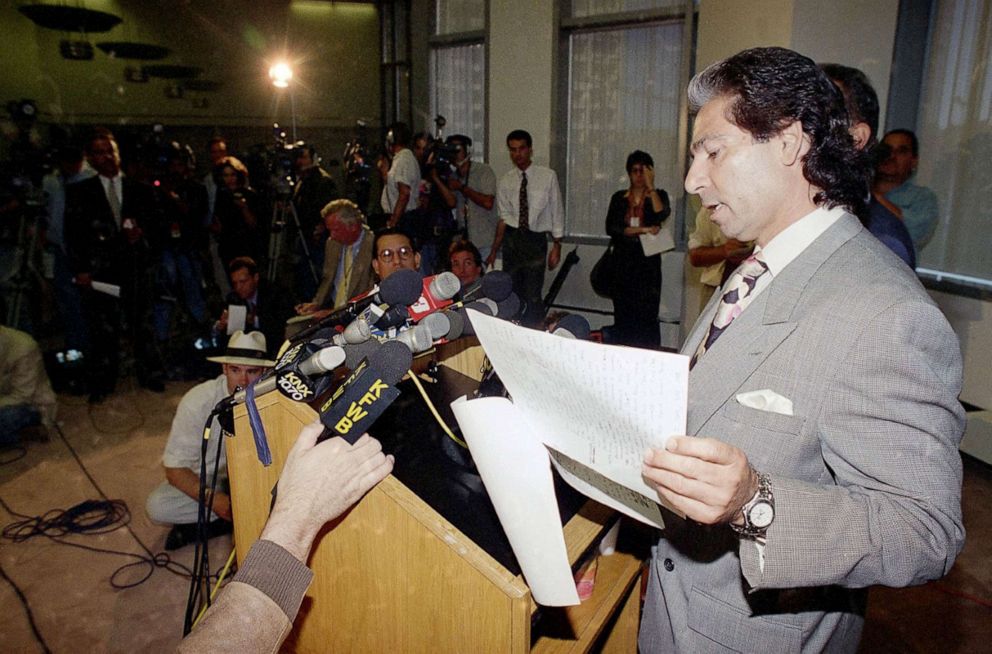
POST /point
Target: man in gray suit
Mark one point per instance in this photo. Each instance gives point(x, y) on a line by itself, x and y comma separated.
point(823, 425)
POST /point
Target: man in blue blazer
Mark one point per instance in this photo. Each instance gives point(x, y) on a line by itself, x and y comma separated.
point(821, 455)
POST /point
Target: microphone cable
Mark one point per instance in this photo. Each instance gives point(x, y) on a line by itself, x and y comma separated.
point(437, 416)
point(91, 518)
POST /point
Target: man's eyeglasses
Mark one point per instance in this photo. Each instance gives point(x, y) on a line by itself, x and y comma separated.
point(390, 255)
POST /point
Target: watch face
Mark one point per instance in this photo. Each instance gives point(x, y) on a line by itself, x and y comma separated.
point(761, 515)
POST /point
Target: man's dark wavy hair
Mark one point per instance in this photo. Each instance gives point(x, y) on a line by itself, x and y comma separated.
point(771, 87)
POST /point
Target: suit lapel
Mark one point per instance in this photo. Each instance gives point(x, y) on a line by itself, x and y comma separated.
point(757, 332)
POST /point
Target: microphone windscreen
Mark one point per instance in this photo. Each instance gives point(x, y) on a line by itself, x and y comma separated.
point(353, 354)
point(497, 285)
point(402, 287)
point(575, 325)
point(445, 285)
point(489, 304)
point(456, 320)
point(508, 308)
point(438, 324)
point(484, 308)
point(481, 307)
point(391, 361)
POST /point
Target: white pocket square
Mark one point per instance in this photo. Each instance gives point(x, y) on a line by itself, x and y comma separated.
point(766, 400)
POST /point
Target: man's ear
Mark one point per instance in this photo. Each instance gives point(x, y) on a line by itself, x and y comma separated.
point(795, 143)
point(861, 134)
point(375, 267)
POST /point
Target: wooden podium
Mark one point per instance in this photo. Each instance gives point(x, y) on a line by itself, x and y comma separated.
point(393, 575)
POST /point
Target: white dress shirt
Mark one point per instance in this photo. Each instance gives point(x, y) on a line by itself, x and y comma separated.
point(545, 211)
point(791, 241)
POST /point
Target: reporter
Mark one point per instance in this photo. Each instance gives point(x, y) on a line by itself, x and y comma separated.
point(255, 612)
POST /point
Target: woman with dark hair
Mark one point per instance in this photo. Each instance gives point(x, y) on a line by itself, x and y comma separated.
point(238, 214)
point(636, 283)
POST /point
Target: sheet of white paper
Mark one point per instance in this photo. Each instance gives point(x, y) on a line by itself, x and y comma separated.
point(653, 244)
point(515, 469)
point(110, 289)
point(600, 405)
point(606, 491)
point(236, 315)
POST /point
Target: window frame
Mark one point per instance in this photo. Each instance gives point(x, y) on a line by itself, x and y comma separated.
point(566, 26)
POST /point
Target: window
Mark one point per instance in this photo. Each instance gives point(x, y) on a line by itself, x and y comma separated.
point(458, 69)
point(625, 89)
point(955, 131)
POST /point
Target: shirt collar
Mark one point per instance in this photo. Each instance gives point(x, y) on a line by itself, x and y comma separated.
point(791, 241)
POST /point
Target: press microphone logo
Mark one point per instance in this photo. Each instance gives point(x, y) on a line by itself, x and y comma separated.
point(359, 408)
point(294, 387)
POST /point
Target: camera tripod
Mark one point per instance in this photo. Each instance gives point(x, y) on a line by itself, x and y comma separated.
point(282, 210)
point(22, 277)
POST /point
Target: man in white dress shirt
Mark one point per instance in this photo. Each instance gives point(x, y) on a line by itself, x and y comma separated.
point(529, 202)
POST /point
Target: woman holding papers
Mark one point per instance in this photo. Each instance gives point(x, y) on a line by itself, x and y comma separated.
point(635, 214)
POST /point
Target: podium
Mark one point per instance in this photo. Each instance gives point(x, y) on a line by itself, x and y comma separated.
point(393, 575)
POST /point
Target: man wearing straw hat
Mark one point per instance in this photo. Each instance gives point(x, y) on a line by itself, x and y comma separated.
point(176, 500)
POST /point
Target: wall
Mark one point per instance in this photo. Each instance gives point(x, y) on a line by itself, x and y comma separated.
point(522, 42)
point(333, 46)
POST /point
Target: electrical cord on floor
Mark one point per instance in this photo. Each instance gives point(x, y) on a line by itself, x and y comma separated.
point(12, 453)
point(91, 517)
point(27, 610)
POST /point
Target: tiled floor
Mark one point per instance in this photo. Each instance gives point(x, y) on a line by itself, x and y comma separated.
point(76, 609)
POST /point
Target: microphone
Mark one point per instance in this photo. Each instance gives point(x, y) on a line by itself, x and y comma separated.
point(456, 322)
point(366, 393)
point(573, 325)
point(357, 331)
point(294, 370)
point(482, 307)
point(438, 323)
point(436, 294)
point(495, 285)
point(508, 308)
point(402, 287)
point(418, 338)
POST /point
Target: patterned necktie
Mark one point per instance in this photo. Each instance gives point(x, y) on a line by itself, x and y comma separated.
point(524, 207)
point(115, 203)
point(737, 294)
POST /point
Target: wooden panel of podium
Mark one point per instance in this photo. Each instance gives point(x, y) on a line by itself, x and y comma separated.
point(393, 575)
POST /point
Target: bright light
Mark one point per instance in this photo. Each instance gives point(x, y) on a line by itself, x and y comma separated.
point(281, 74)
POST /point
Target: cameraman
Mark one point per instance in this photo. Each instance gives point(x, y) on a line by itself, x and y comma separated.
point(401, 180)
point(471, 191)
point(314, 189)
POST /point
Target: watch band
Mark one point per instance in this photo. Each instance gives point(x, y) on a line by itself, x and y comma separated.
point(762, 496)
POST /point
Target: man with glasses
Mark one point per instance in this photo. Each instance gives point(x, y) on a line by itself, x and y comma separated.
point(394, 250)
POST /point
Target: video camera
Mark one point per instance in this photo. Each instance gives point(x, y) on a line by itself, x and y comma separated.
point(273, 167)
point(439, 154)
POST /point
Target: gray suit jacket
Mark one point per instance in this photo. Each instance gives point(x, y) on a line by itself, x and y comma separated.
point(866, 473)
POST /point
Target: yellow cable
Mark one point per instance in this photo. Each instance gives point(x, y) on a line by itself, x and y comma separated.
point(213, 593)
point(437, 416)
